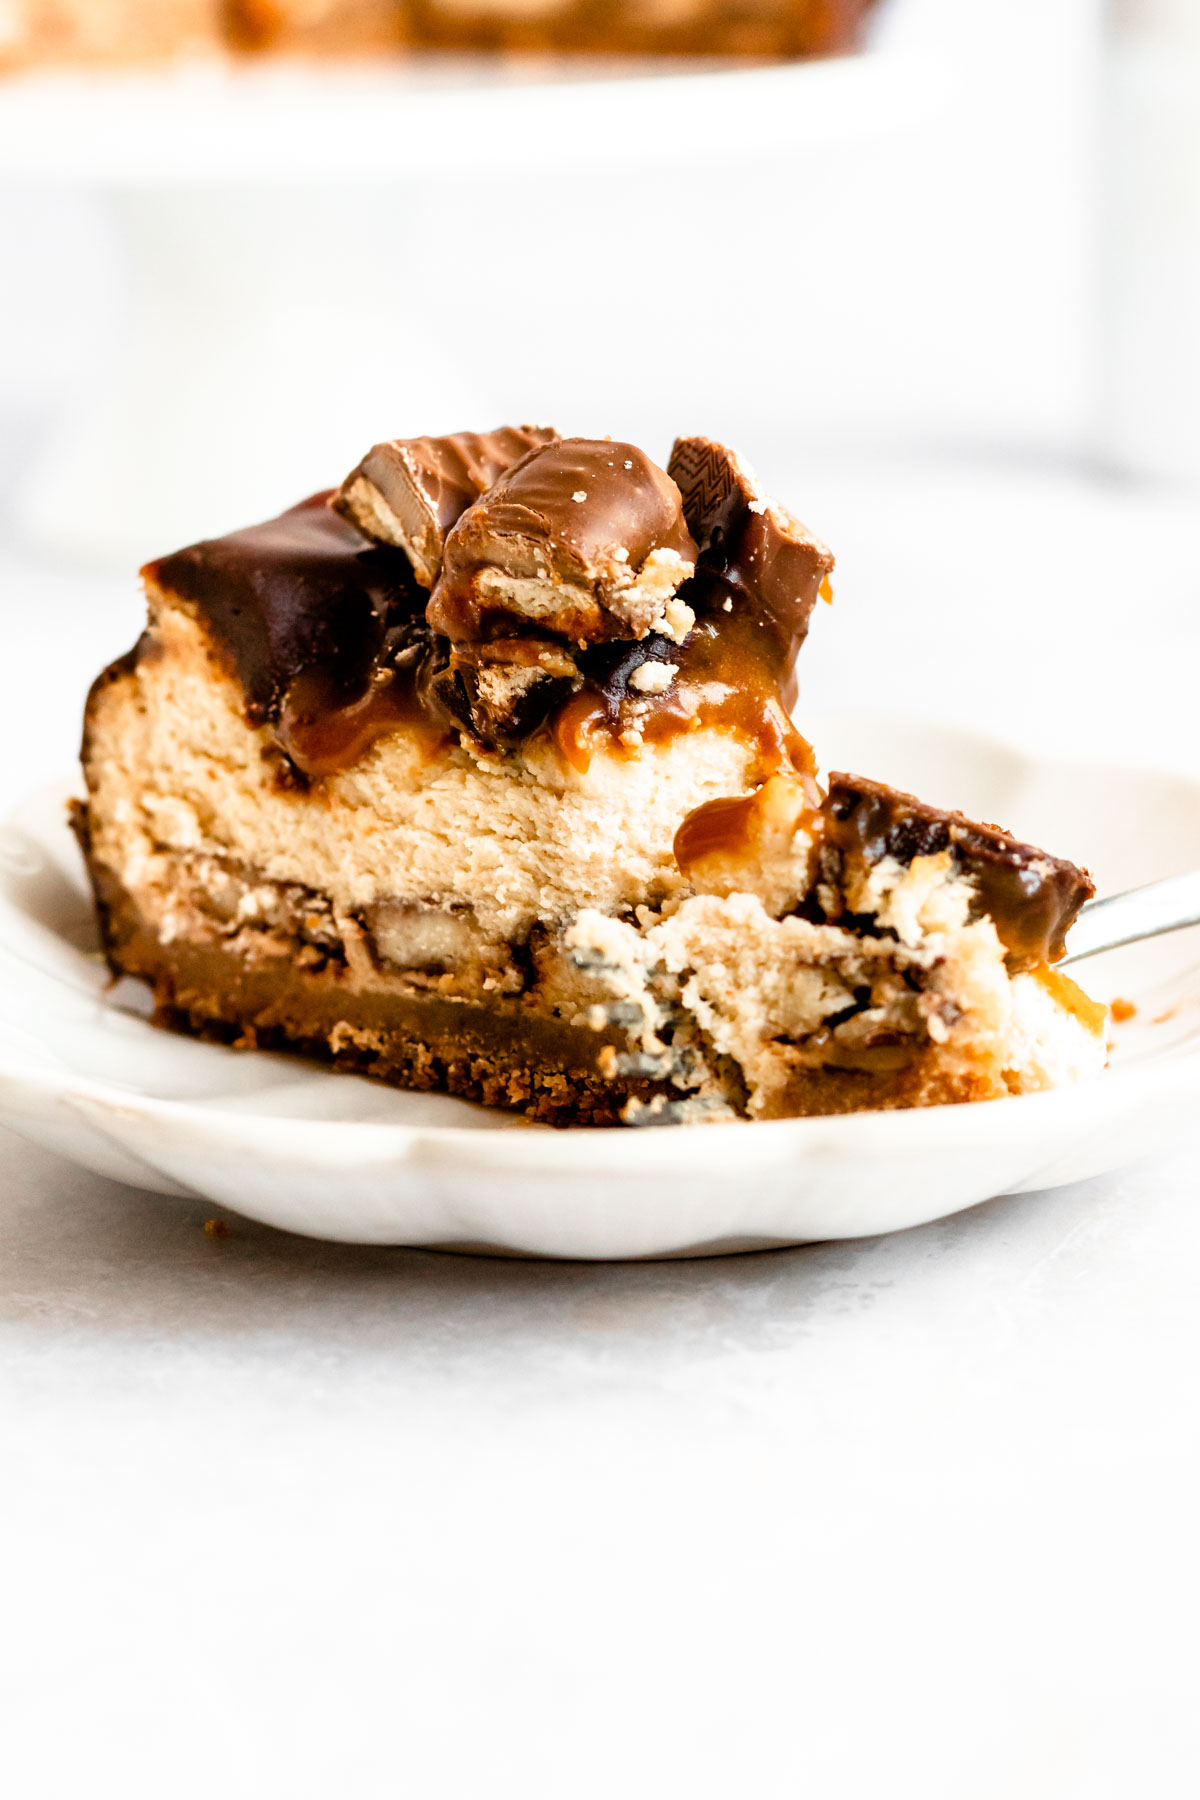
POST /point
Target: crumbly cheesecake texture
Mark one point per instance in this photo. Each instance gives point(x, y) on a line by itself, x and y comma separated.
point(128, 30)
point(479, 774)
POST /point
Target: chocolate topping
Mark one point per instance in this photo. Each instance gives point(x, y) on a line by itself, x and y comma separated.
point(752, 550)
point(323, 630)
point(722, 677)
point(408, 492)
point(301, 591)
point(1032, 898)
point(582, 540)
point(565, 603)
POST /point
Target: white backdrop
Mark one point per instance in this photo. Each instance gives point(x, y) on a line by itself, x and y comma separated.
point(928, 287)
point(855, 1522)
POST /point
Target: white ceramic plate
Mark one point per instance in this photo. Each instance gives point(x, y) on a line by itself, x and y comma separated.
point(330, 1155)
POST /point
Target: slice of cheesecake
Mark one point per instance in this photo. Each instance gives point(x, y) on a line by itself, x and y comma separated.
point(479, 774)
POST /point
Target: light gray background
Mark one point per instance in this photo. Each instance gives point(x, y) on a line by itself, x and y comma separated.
point(906, 1517)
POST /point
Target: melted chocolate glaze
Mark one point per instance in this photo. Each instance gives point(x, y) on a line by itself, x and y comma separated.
point(1031, 898)
point(301, 592)
point(726, 676)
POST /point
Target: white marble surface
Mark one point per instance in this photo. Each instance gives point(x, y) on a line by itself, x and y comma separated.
point(913, 1516)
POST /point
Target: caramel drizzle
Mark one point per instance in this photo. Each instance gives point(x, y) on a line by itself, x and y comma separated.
point(727, 679)
point(324, 733)
point(1068, 994)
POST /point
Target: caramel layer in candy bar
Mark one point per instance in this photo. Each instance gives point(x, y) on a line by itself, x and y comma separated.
point(409, 491)
point(1032, 898)
point(748, 543)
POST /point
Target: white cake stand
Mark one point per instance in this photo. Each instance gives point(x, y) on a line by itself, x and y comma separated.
point(279, 316)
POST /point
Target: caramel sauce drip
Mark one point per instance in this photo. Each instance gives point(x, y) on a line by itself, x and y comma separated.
point(323, 732)
point(580, 728)
point(722, 827)
point(1067, 994)
point(732, 830)
point(728, 676)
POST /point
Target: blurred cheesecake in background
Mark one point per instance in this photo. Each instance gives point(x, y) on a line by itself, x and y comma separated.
point(48, 31)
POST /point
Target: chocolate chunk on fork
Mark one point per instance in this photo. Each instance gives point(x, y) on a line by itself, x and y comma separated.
point(1032, 898)
point(408, 492)
point(749, 544)
point(582, 541)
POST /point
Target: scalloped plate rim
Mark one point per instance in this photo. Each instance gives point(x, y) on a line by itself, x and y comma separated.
point(419, 1162)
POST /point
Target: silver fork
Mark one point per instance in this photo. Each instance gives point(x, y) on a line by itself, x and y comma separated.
point(1143, 912)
